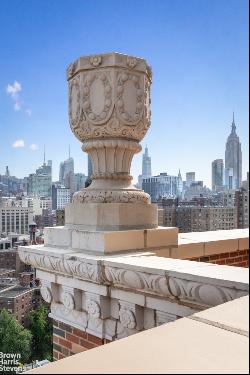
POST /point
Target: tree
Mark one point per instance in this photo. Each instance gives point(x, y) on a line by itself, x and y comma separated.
point(14, 338)
point(41, 330)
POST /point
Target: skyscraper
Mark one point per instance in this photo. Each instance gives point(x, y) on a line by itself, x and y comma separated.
point(161, 186)
point(146, 164)
point(146, 168)
point(90, 167)
point(217, 174)
point(180, 185)
point(233, 160)
point(66, 174)
point(190, 178)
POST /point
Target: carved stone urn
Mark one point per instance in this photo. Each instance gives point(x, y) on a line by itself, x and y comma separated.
point(109, 112)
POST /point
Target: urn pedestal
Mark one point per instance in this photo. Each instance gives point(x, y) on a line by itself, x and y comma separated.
point(109, 221)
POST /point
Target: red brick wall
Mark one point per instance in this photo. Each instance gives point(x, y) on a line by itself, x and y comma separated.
point(239, 258)
point(68, 340)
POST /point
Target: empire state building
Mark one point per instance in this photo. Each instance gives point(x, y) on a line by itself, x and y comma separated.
point(233, 160)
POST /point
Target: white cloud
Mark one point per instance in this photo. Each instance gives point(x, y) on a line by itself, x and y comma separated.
point(18, 143)
point(17, 106)
point(14, 89)
point(33, 147)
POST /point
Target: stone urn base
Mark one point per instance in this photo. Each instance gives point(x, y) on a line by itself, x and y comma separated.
point(111, 216)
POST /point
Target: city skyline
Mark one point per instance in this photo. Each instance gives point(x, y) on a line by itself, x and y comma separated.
point(193, 94)
point(56, 177)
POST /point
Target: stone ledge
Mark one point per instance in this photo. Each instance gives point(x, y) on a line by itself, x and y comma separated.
point(202, 348)
point(231, 316)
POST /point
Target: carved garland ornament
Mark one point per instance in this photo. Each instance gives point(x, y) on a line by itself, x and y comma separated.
point(68, 266)
point(91, 119)
point(74, 104)
point(130, 98)
point(111, 196)
point(97, 85)
point(173, 287)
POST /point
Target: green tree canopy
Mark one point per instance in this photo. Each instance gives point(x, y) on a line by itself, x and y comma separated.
point(14, 338)
point(41, 329)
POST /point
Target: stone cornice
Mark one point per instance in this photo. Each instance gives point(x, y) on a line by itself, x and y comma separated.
point(188, 283)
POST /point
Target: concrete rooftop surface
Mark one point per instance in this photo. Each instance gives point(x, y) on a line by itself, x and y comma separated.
point(214, 341)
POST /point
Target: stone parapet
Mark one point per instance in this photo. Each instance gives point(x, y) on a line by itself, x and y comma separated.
point(114, 296)
point(230, 247)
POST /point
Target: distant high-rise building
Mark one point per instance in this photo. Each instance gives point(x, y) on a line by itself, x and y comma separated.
point(39, 184)
point(202, 219)
point(196, 190)
point(80, 180)
point(161, 186)
point(15, 219)
point(66, 174)
point(60, 197)
point(180, 185)
point(146, 168)
point(90, 167)
point(217, 174)
point(49, 163)
point(146, 164)
point(233, 160)
point(239, 199)
point(245, 183)
point(190, 178)
point(7, 172)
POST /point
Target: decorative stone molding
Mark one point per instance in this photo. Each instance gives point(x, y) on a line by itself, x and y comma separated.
point(127, 318)
point(95, 60)
point(131, 315)
point(67, 297)
point(93, 309)
point(131, 62)
point(202, 293)
point(68, 300)
point(134, 300)
point(110, 196)
point(77, 319)
point(67, 266)
point(199, 291)
point(46, 293)
point(155, 284)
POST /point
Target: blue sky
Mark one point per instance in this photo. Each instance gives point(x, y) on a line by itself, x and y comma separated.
point(198, 50)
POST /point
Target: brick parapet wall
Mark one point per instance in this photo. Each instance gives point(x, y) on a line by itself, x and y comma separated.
point(68, 340)
point(239, 258)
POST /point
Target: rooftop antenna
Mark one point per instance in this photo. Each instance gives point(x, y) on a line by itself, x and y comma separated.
point(233, 124)
point(69, 151)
